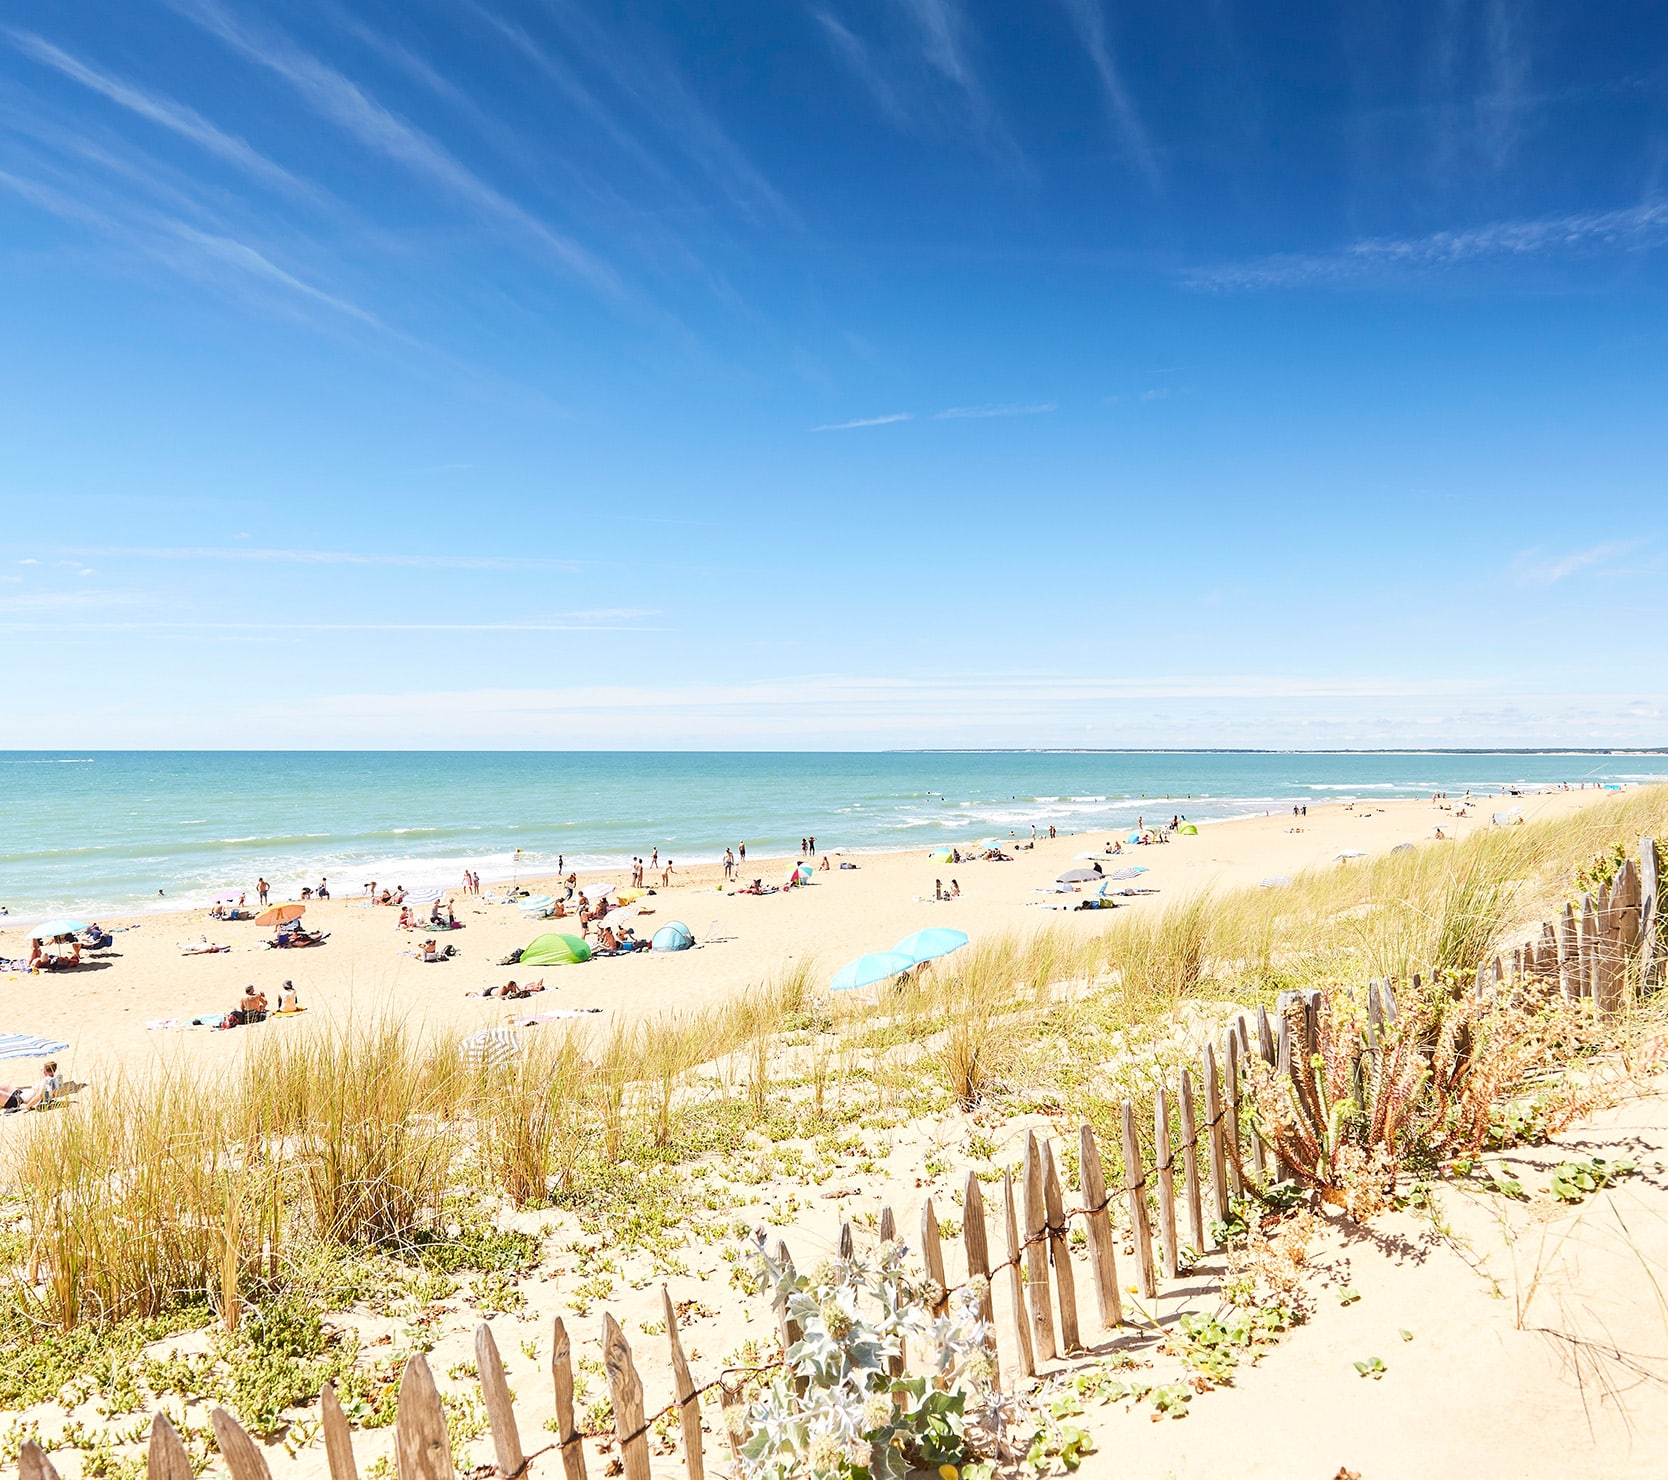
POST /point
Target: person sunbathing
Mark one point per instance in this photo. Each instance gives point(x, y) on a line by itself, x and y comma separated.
point(513, 990)
point(289, 1000)
point(253, 1004)
point(406, 922)
point(31, 1097)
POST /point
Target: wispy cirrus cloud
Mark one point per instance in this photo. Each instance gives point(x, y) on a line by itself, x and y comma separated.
point(866, 421)
point(162, 111)
point(1089, 21)
point(203, 256)
point(343, 102)
point(639, 71)
point(860, 60)
point(256, 554)
point(1539, 568)
point(958, 413)
point(1632, 228)
point(916, 72)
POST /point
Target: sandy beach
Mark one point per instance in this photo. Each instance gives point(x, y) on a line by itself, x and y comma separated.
point(366, 967)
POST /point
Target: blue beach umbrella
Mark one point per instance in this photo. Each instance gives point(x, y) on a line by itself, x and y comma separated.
point(930, 944)
point(49, 928)
point(1134, 837)
point(865, 971)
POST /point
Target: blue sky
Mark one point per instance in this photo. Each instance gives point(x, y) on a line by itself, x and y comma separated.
point(852, 373)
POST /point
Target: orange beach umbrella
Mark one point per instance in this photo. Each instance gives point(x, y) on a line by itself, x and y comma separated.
point(281, 914)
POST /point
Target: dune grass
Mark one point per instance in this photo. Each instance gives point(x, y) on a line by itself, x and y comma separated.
point(176, 1190)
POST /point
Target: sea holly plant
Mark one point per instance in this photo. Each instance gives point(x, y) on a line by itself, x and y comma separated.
point(837, 1410)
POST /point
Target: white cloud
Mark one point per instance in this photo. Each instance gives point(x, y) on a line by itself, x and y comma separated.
point(1536, 568)
point(1633, 228)
point(326, 557)
point(162, 111)
point(956, 413)
point(1090, 22)
point(343, 102)
point(867, 421)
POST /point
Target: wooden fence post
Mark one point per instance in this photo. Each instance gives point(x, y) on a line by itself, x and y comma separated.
point(422, 1447)
point(1166, 1179)
point(1103, 1255)
point(1036, 1253)
point(1650, 906)
point(689, 1402)
point(1569, 960)
point(1230, 1104)
point(932, 1256)
point(729, 1402)
point(975, 1242)
point(32, 1463)
point(561, 1377)
point(242, 1455)
point(1588, 941)
point(848, 1244)
point(1016, 1283)
point(338, 1438)
point(1190, 1162)
point(626, 1389)
point(495, 1395)
point(1136, 1180)
point(166, 1458)
point(1213, 1115)
point(1065, 1282)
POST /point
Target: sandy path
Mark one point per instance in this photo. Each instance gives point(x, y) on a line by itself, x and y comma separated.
point(102, 1012)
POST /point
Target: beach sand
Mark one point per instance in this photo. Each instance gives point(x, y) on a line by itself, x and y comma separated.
point(1535, 1336)
point(366, 967)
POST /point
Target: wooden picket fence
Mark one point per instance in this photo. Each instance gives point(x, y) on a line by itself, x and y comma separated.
point(1598, 951)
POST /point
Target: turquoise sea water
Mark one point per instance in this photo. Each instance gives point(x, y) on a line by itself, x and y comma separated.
point(104, 831)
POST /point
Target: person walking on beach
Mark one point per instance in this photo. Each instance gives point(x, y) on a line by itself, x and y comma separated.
point(260, 890)
point(654, 857)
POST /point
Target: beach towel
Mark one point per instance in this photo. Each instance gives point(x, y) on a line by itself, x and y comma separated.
point(533, 1019)
point(164, 1025)
point(27, 1046)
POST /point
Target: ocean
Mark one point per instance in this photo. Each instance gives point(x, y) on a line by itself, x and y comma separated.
point(108, 832)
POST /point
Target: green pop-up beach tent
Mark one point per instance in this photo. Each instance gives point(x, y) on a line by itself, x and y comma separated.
point(555, 950)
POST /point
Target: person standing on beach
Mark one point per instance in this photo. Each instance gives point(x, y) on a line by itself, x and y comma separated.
point(654, 857)
point(260, 890)
point(729, 865)
point(666, 873)
point(743, 852)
